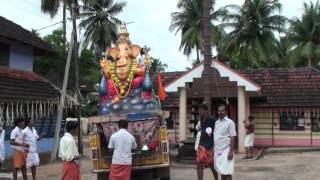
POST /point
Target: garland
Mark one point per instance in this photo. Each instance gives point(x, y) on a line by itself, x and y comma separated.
point(125, 86)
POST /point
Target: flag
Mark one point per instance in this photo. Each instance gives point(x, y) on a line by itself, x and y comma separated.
point(161, 93)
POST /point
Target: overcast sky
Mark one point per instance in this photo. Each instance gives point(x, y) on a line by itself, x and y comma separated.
point(151, 23)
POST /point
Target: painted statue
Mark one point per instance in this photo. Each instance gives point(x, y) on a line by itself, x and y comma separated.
point(126, 86)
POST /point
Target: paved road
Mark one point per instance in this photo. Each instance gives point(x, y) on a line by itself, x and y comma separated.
point(291, 166)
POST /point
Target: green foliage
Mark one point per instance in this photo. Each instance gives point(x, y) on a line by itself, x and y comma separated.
point(251, 41)
point(304, 35)
point(52, 67)
point(89, 68)
point(157, 65)
point(100, 23)
point(189, 22)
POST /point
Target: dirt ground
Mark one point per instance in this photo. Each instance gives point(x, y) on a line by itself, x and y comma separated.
point(288, 166)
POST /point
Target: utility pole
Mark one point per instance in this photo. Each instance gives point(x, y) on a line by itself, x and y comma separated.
point(61, 103)
point(206, 34)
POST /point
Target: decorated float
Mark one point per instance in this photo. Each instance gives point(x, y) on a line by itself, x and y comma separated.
point(126, 92)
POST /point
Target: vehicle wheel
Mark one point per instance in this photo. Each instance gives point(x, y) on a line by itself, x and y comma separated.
point(165, 178)
point(102, 176)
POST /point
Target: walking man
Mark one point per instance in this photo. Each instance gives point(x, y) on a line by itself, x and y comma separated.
point(121, 143)
point(30, 136)
point(69, 154)
point(205, 148)
point(249, 139)
point(2, 150)
point(224, 138)
point(18, 146)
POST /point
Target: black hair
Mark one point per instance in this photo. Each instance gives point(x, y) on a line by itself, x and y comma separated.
point(27, 121)
point(203, 106)
point(71, 125)
point(251, 118)
point(223, 105)
point(18, 120)
point(123, 123)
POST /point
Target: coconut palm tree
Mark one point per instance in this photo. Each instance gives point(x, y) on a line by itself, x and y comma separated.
point(189, 22)
point(100, 23)
point(304, 34)
point(157, 65)
point(252, 35)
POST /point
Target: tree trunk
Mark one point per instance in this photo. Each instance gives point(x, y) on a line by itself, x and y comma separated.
point(77, 78)
point(64, 24)
point(206, 34)
point(197, 49)
point(312, 62)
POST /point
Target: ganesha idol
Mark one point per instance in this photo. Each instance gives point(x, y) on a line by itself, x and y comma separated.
point(126, 86)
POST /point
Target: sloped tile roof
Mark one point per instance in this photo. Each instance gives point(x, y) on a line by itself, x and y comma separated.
point(18, 85)
point(287, 86)
point(281, 86)
point(11, 30)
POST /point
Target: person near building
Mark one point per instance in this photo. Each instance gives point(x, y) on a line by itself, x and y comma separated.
point(30, 136)
point(2, 149)
point(249, 139)
point(121, 144)
point(224, 139)
point(19, 154)
point(69, 153)
point(205, 147)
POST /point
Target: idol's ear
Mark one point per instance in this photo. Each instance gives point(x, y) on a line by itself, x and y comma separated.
point(135, 50)
point(114, 52)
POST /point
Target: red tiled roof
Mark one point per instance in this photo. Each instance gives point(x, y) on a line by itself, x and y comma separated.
point(287, 86)
point(12, 30)
point(281, 86)
point(17, 85)
point(19, 74)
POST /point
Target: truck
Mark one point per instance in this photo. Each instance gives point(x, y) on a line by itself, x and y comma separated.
point(156, 161)
point(126, 92)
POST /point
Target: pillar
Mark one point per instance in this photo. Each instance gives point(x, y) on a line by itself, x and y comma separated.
point(182, 114)
point(242, 111)
point(247, 105)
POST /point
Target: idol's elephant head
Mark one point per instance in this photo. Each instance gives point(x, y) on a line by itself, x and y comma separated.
point(123, 54)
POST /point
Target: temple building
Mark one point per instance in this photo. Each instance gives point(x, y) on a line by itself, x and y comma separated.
point(285, 102)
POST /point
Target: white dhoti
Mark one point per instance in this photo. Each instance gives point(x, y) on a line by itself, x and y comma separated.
point(221, 162)
point(2, 154)
point(248, 141)
point(32, 159)
point(196, 144)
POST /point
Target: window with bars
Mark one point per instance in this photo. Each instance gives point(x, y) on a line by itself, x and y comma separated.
point(315, 121)
point(4, 54)
point(292, 121)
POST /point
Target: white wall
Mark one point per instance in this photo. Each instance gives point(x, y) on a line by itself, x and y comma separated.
point(21, 55)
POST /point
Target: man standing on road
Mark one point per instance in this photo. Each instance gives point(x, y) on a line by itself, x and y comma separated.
point(2, 150)
point(205, 148)
point(30, 136)
point(69, 154)
point(224, 138)
point(121, 143)
point(18, 146)
point(249, 139)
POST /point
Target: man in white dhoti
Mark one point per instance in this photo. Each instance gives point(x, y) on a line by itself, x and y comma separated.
point(224, 138)
point(249, 139)
point(2, 151)
point(30, 136)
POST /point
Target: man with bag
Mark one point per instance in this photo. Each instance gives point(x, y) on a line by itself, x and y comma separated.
point(205, 148)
